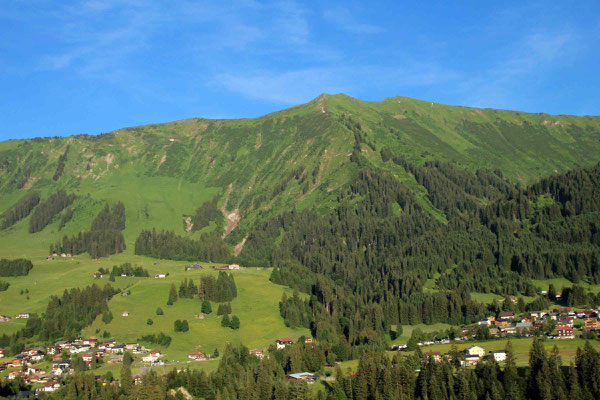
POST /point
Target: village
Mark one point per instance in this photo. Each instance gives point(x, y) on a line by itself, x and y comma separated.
point(563, 324)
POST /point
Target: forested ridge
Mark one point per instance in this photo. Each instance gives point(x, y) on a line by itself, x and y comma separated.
point(370, 258)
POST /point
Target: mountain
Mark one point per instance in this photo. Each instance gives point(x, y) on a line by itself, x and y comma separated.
point(254, 169)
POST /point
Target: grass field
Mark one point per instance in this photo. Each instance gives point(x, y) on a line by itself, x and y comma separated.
point(257, 304)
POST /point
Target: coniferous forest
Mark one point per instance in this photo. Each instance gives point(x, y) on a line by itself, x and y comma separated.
point(103, 239)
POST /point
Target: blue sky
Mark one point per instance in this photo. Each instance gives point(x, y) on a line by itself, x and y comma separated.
point(99, 65)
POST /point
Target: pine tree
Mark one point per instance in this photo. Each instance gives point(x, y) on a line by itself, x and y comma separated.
point(126, 380)
point(225, 322)
point(206, 307)
point(235, 322)
point(172, 295)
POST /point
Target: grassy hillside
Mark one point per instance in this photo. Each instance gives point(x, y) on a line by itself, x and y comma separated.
point(260, 167)
point(256, 305)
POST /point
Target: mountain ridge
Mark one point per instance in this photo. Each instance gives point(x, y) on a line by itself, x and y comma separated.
point(297, 157)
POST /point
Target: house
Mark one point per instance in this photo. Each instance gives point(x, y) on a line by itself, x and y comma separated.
point(1, 353)
point(565, 332)
point(125, 293)
point(125, 314)
point(258, 353)
point(97, 275)
point(49, 258)
point(592, 325)
point(499, 355)
point(196, 356)
point(14, 374)
point(234, 266)
point(68, 254)
point(434, 355)
point(132, 346)
point(4, 318)
point(87, 357)
point(160, 276)
point(54, 255)
point(308, 340)
point(50, 386)
point(200, 316)
point(60, 365)
point(195, 266)
point(523, 327)
point(484, 322)
point(152, 357)
point(478, 351)
point(282, 343)
point(505, 316)
point(24, 315)
point(63, 255)
point(302, 376)
point(470, 361)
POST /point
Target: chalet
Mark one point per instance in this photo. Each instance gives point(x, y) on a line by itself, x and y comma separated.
point(223, 267)
point(258, 353)
point(434, 355)
point(63, 255)
point(302, 376)
point(160, 276)
point(54, 255)
point(60, 365)
point(124, 275)
point(51, 350)
point(38, 356)
point(506, 316)
point(592, 325)
point(97, 275)
point(478, 351)
point(4, 318)
point(24, 315)
point(87, 357)
point(33, 370)
point(14, 374)
point(116, 349)
point(282, 343)
point(91, 342)
point(196, 356)
point(484, 322)
point(132, 346)
point(509, 329)
point(234, 266)
point(523, 327)
point(401, 346)
point(68, 254)
point(308, 340)
point(1, 353)
point(57, 357)
point(200, 316)
point(125, 314)
point(195, 266)
point(499, 355)
point(565, 332)
point(49, 258)
point(15, 363)
point(470, 361)
point(152, 357)
point(50, 386)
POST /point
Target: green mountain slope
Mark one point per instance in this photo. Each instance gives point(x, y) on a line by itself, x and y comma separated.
point(258, 168)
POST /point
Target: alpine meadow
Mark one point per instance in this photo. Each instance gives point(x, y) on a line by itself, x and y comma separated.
point(339, 249)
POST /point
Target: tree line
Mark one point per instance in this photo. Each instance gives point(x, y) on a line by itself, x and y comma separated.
point(20, 210)
point(16, 267)
point(48, 209)
point(104, 238)
point(168, 245)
